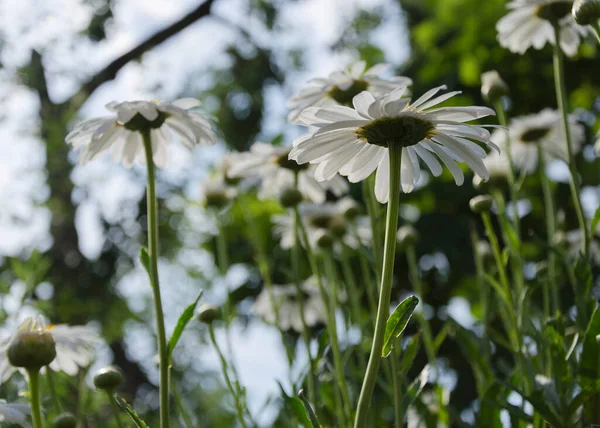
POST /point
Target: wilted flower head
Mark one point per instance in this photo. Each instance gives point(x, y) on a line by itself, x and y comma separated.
point(341, 86)
point(14, 413)
point(545, 129)
point(530, 24)
point(286, 299)
point(75, 348)
point(271, 164)
point(122, 133)
point(354, 142)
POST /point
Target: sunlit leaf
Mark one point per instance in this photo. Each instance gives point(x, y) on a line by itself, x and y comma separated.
point(184, 319)
point(397, 322)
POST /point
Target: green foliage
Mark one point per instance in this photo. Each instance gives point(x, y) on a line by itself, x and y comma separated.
point(397, 322)
point(183, 320)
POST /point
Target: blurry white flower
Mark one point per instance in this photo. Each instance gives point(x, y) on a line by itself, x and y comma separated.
point(543, 128)
point(122, 133)
point(327, 218)
point(497, 165)
point(14, 413)
point(493, 88)
point(354, 142)
point(341, 86)
point(271, 164)
point(75, 349)
point(286, 299)
point(529, 23)
point(217, 190)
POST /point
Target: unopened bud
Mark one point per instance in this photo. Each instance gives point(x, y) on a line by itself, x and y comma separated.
point(481, 203)
point(290, 197)
point(493, 88)
point(324, 240)
point(484, 251)
point(108, 378)
point(64, 420)
point(216, 197)
point(209, 313)
point(32, 347)
point(337, 226)
point(586, 12)
point(349, 208)
point(407, 236)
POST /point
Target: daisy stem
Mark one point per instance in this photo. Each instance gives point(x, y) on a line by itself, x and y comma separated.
point(152, 215)
point(55, 399)
point(550, 232)
point(366, 276)
point(115, 409)
point(343, 413)
point(383, 309)
point(182, 410)
point(397, 384)
point(310, 378)
point(34, 397)
point(223, 261)
point(236, 400)
point(483, 288)
point(596, 27)
point(415, 279)
point(373, 210)
point(561, 95)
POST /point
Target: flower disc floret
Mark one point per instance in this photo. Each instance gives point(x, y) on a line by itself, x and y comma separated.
point(554, 12)
point(586, 12)
point(403, 131)
point(344, 96)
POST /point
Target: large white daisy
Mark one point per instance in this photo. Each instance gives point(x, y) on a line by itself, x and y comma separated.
point(121, 134)
point(354, 142)
point(14, 413)
point(529, 24)
point(342, 85)
point(75, 348)
point(271, 164)
point(545, 129)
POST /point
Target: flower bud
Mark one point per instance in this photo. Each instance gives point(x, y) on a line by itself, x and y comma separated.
point(337, 226)
point(407, 236)
point(324, 240)
point(348, 208)
point(32, 347)
point(493, 88)
point(64, 420)
point(481, 203)
point(209, 313)
point(484, 251)
point(290, 197)
point(586, 12)
point(108, 378)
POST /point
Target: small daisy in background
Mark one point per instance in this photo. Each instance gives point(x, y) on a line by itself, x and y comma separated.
point(497, 165)
point(14, 413)
point(288, 307)
point(218, 190)
point(122, 134)
point(342, 85)
point(543, 129)
point(354, 141)
point(271, 165)
point(530, 24)
point(75, 348)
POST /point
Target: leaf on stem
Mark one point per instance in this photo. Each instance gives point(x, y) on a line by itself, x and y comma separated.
point(309, 410)
point(397, 322)
point(145, 259)
point(135, 418)
point(184, 319)
point(410, 353)
point(297, 407)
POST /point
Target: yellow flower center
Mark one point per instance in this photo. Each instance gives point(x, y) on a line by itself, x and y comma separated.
point(402, 130)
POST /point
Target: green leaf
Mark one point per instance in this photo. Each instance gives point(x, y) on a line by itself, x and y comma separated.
point(297, 408)
point(145, 259)
point(397, 322)
point(135, 418)
point(595, 221)
point(415, 388)
point(410, 353)
point(184, 319)
point(588, 366)
point(309, 410)
point(500, 290)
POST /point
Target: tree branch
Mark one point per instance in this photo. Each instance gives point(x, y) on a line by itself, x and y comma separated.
point(110, 71)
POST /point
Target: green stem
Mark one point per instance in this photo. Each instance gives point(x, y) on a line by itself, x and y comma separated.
point(397, 383)
point(55, 399)
point(311, 376)
point(561, 95)
point(115, 409)
point(330, 299)
point(154, 282)
point(383, 309)
point(366, 275)
point(223, 261)
point(483, 288)
point(182, 410)
point(596, 27)
point(34, 397)
point(550, 232)
point(331, 322)
point(238, 407)
point(415, 279)
point(373, 210)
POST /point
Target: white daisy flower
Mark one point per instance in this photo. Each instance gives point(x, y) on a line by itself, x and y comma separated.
point(354, 142)
point(323, 219)
point(75, 348)
point(218, 190)
point(544, 128)
point(271, 164)
point(529, 24)
point(15, 413)
point(286, 299)
point(497, 165)
point(121, 134)
point(342, 85)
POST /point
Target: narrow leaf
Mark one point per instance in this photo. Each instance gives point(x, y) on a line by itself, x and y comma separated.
point(595, 221)
point(499, 289)
point(410, 353)
point(297, 407)
point(184, 319)
point(145, 259)
point(135, 418)
point(309, 410)
point(588, 367)
point(397, 322)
